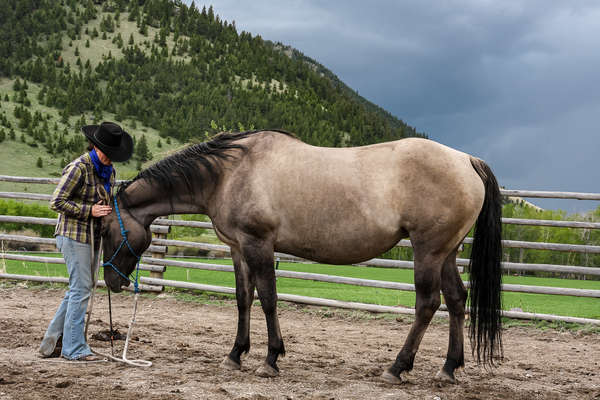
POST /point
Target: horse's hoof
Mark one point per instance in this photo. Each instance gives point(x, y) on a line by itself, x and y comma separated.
point(443, 377)
point(229, 364)
point(390, 378)
point(266, 371)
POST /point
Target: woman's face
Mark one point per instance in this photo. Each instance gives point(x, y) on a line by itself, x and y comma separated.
point(102, 157)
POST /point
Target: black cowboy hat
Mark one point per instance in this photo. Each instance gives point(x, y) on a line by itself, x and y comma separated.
point(111, 139)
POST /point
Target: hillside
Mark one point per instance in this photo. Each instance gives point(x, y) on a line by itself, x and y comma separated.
point(168, 73)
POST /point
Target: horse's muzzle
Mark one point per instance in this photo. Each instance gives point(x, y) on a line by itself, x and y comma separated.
point(115, 283)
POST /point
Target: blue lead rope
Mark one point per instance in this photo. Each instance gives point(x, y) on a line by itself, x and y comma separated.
point(126, 242)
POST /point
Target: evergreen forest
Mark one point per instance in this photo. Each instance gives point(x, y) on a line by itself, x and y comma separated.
point(181, 70)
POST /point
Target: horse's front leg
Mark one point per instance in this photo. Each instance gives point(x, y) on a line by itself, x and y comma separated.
point(259, 257)
point(244, 291)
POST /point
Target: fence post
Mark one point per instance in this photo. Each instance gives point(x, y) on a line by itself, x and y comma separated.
point(160, 235)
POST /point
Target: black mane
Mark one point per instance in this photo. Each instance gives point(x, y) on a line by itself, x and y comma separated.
point(184, 164)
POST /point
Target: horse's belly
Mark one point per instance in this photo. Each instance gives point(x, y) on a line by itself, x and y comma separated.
point(336, 247)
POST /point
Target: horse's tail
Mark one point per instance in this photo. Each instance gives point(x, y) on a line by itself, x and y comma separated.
point(485, 272)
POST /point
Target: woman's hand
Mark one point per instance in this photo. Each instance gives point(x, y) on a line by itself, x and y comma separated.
point(100, 210)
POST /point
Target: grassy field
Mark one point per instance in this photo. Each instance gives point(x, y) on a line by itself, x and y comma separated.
point(547, 304)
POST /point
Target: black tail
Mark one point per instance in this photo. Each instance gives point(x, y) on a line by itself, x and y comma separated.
point(485, 272)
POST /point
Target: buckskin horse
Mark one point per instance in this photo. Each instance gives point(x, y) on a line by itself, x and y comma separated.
point(268, 191)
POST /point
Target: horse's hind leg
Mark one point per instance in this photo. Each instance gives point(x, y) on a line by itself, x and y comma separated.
point(244, 292)
point(427, 284)
point(455, 296)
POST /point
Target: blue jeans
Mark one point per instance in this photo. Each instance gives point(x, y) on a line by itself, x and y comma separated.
point(69, 320)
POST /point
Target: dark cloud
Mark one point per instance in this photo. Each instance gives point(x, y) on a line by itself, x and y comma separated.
point(514, 82)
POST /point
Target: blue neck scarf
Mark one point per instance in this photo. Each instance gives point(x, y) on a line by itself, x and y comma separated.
point(103, 171)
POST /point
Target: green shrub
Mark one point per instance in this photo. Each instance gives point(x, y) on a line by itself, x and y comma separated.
point(12, 207)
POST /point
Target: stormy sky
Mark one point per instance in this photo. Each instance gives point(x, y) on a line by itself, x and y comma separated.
point(514, 82)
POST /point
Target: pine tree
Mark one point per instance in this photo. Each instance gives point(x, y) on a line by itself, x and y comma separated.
point(39, 163)
point(144, 27)
point(142, 152)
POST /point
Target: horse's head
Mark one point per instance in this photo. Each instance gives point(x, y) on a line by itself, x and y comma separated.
point(123, 244)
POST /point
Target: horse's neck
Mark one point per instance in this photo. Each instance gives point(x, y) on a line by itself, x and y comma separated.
point(146, 203)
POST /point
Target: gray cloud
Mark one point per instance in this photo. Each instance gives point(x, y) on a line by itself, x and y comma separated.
point(515, 82)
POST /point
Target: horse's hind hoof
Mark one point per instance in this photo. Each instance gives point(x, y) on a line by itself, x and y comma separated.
point(390, 378)
point(266, 371)
point(229, 364)
point(443, 377)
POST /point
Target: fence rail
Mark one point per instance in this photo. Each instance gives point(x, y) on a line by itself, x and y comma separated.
point(156, 263)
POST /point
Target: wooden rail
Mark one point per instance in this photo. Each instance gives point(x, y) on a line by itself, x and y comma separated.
point(550, 195)
point(52, 242)
point(57, 279)
point(52, 221)
point(60, 260)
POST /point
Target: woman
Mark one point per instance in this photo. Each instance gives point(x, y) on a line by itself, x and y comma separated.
point(82, 194)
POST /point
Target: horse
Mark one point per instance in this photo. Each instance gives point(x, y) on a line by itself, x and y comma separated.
point(268, 191)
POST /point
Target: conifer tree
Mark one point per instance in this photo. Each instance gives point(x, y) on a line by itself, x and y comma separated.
point(142, 152)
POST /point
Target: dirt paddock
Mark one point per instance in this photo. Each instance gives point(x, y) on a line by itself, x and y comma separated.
point(331, 354)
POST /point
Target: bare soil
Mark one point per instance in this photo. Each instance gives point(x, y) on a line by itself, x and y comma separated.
point(331, 354)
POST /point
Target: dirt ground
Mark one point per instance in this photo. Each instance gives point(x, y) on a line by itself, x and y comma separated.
point(331, 354)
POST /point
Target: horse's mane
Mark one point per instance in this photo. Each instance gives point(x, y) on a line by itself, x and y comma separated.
point(184, 164)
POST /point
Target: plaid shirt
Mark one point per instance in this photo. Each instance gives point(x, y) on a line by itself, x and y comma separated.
point(78, 190)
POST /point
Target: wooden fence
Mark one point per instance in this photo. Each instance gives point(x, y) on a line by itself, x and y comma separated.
point(154, 261)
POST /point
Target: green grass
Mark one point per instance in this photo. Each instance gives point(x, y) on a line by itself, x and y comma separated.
point(546, 304)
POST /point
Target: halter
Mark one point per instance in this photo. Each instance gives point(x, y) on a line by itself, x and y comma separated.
point(126, 242)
